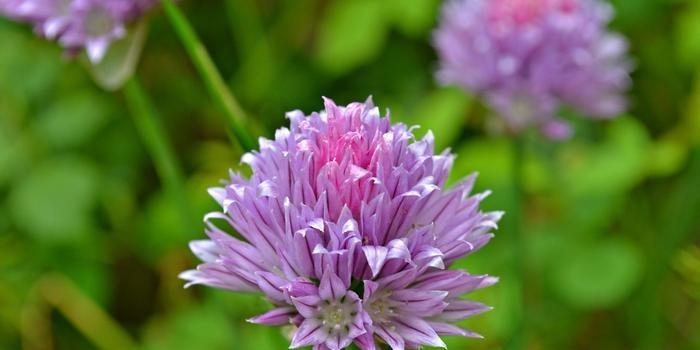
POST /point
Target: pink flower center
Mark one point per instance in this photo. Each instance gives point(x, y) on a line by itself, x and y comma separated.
point(524, 12)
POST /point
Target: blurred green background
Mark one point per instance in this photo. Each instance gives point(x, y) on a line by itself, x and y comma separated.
point(91, 244)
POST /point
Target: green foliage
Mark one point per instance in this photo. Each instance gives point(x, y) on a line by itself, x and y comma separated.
point(442, 111)
point(609, 220)
point(352, 32)
point(612, 164)
point(73, 120)
point(413, 17)
point(598, 274)
point(54, 203)
point(688, 35)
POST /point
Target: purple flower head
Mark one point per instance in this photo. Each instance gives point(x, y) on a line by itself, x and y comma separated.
point(528, 58)
point(90, 25)
point(346, 227)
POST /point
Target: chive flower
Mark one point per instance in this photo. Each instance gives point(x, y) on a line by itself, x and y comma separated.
point(530, 58)
point(77, 25)
point(347, 227)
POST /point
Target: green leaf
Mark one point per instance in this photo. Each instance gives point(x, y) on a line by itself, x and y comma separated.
point(91, 276)
point(27, 70)
point(610, 166)
point(121, 58)
point(14, 153)
point(351, 33)
point(73, 120)
point(413, 17)
point(162, 228)
point(692, 113)
point(667, 156)
point(194, 328)
point(53, 202)
point(688, 36)
point(490, 157)
point(597, 275)
point(443, 111)
point(211, 326)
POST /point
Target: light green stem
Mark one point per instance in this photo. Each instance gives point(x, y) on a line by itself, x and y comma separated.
point(87, 317)
point(678, 220)
point(235, 115)
point(516, 242)
point(156, 141)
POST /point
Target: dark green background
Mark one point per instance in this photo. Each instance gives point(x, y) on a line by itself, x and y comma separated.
point(611, 218)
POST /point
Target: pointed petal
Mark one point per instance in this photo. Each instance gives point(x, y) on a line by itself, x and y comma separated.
point(366, 342)
point(420, 302)
point(461, 309)
point(398, 250)
point(370, 288)
point(416, 330)
point(307, 306)
point(398, 280)
point(206, 250)
point(310, 332)
point(376, 257)
point(332, 287)
point(271, 285)
point(357, 327)
point(450, 329)
point(275, 317)
point(301, 288)
point(96, 49)
point(336, 341)
point(213, 275)
point(390, 337)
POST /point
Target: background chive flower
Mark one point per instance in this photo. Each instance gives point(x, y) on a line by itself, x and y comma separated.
point(346, 227)
point(90, 25)
point(528, 58)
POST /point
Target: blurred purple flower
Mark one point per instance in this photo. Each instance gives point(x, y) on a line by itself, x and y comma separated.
point(530, 57)
point(91, 25)
point(347, 229)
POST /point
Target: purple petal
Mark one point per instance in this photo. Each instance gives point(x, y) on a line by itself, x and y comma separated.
point(307, 305)
point(376, 257)
point(301, 288)
point(398, 280)
point(461, 309)
point(310, 332)
point(416, 330)
point(398, 250)
point(271, 285)
point(366, 341)
point(216, 276)
point(390, 337)
point(275, 317)
point(206, 250)
point(337, 341)
point(332, 287)
point(420, 302)
point(450, 329)
point(370, 289)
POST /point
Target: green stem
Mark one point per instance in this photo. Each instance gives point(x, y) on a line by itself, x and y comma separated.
point(516, 241)
point(91, 320)
point(218, 89)
point(156, 141)
point(677, 220)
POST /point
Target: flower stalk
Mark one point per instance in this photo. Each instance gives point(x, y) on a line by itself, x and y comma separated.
point(518, 263)
point(234, 113)
point(159, 147)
